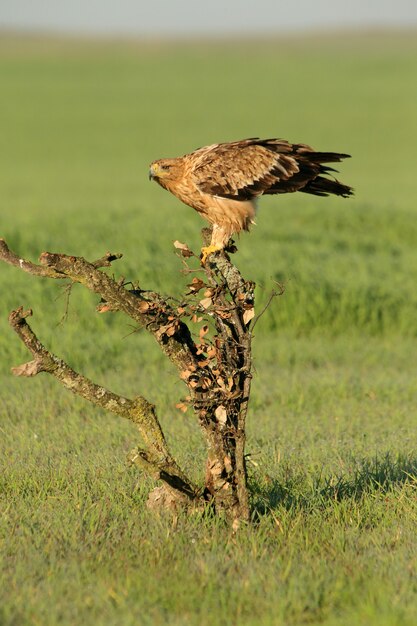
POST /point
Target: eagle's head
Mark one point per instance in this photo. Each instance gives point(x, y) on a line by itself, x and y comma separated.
point(163, 170)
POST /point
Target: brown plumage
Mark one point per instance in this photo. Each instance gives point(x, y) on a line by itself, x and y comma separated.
point(223, 181)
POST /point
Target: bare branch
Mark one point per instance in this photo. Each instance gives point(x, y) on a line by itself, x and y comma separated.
point(147, 308)
point(37, 270)
point(138, 410)
point(107, 260)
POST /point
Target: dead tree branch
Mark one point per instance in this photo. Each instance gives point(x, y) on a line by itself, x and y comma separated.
point(215, 366)
point(155, 455)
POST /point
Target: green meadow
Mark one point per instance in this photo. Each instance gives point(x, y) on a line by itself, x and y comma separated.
point(332, 425)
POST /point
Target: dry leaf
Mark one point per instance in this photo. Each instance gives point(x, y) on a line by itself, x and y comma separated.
point(196, 284)
point(204, 330)
point(221, 414)
point(143, 306)
point(211, 352)
point(221, 384)
point(224, 315)
point(248, 315)
point(181, 406)
point(169, 330)
point(183, 248)
point(104, 307)
point(206, 302)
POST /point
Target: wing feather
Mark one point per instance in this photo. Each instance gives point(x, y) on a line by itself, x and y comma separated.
point(245, 169)
point(241, 169)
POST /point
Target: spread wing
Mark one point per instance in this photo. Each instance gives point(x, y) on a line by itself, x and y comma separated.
point(245, 169)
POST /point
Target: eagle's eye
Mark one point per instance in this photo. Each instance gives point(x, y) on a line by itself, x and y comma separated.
point(165, 167)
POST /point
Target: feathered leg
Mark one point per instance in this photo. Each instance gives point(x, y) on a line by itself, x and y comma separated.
point(219, 238)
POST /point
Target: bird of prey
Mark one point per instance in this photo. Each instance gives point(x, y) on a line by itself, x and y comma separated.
point(223, 181)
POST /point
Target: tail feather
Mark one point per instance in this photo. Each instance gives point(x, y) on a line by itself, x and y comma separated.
point(322, 157)
point(321, 186)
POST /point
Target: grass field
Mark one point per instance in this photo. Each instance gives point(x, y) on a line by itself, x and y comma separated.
point(332, 428)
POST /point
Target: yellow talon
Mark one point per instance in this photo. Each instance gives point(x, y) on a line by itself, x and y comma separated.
point(205, 252)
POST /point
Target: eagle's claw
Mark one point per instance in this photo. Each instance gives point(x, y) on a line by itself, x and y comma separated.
point(206, 251)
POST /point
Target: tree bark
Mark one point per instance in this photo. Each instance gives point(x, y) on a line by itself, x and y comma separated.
point(215, 366)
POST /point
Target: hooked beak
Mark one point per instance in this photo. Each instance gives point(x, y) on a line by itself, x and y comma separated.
point(150, 173)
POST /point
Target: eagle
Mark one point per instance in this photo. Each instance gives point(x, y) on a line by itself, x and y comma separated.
point(223, 181)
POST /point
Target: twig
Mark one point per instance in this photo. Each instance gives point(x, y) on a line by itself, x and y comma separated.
point(138, 410)
point(106, 260)
point(67, 293)
point(272, 295)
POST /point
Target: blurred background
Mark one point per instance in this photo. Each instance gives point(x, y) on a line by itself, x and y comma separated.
point(91, 93)
point(185, 17)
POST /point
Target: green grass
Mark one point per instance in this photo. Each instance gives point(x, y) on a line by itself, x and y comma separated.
point(331, 434)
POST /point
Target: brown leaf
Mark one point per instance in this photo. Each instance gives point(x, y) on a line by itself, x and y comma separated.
point(221, 384)
point(206, 302)
point(28, 369)
point(104, 307)
point(204, 330)
point(211, 352)
point(172, 329)
point(185, 374)
point(182, 406)
point(224, 315)
point(196, 284)
point(143, 306)
point(248, 315)
point(168, 329)
point(221, 414)
point(183, 248)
